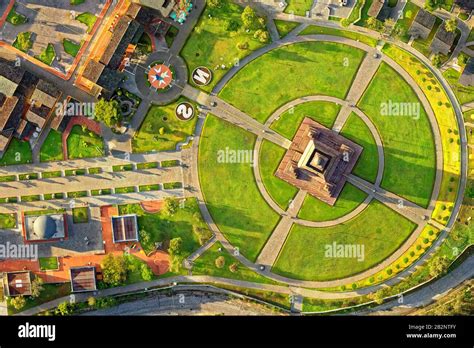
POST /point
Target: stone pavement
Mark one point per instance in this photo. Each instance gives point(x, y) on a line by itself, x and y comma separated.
point(364, 76)
point(274, 244)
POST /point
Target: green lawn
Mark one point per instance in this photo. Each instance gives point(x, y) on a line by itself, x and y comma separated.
point(30, 198)
point(23, 41)
point(88, 19)
point(127, 189)
point(404, 22)
point(148, 137)
point(51, 150)
point(317, 30)
point(304, 253)
point(447, 123)
point(316, 210)
point(16, 18)
point(408, 140)
point(48, 55)
point(135, 268)
point(469, 116)
point(83, 143)
point(7, 220)
point(230, 191)
point(162, 227)
point(77, 2)
point(18, 152)
point(172, 185)
point(71, 47)
point(170, 163)
point(285, 27)
point(206, 265)
point(463, 93)
point(298, 7)
point(48, 263)
point(270, 157)
point(77, 194)
point(320, 111)
point(170, 35)
point(212, 45)
point(471, 36)
point(308, 68)
point(80, 215)
point(364, 12)
point(356, 130)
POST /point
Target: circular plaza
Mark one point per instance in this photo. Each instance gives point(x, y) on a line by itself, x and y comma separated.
point(295, 209)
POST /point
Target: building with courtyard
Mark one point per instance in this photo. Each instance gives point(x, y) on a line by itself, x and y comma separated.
point(44, 228)
point(318, 161)
point(26, 103)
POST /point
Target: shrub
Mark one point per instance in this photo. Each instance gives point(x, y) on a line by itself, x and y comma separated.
point(220, 262)
point(234, 267)
point(146, 272)
point(91, 301)
point(18, 302)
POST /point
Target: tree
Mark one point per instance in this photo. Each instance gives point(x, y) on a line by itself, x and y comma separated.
point(374, 24)
point(451, 24)
point(107, 112)
point(144, 236)
point(431, 5)
point(462, 59)
point(379, 295)
point(174, 250)
point(438, 266)
point(436, 60)
point(261, 35)
point(232, 25)
point(18, 302)
point(171, 206)
point(220, 262)
point(388, 25)
point(114, 270)
point(249, 18)
point(37, 287)
point(214, 3)
point(65, 308)
point(146, 272)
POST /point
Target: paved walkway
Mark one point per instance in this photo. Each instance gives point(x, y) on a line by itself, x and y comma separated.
point(411, 211)
point(231, 114)
point(106, 163)
point(274, 244)
point(366, 72)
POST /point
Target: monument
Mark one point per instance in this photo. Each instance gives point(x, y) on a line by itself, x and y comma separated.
point(318, 161)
